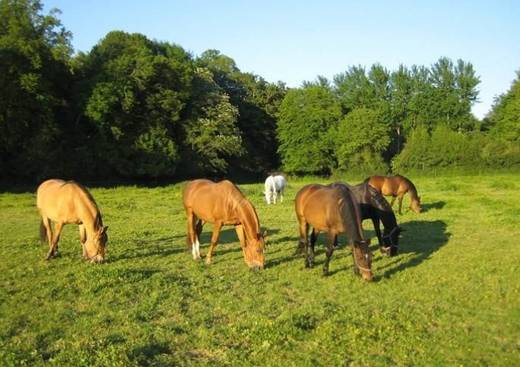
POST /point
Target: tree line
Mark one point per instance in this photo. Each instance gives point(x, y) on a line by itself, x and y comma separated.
point(134, 107)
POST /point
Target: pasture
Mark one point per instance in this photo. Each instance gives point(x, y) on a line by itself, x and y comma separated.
point(451, 296)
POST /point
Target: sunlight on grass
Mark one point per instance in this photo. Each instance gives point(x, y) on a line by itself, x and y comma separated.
point(450, 297)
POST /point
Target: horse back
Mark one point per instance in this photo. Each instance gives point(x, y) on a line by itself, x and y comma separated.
point(212, 201)
point(322, 207)
point(65, 201)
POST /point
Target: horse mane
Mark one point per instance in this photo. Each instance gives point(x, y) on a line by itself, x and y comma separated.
point(240, 202)
point(377, 199)
point(346, 191)
point(251, 221)
point(412, 188)
point(98, 220)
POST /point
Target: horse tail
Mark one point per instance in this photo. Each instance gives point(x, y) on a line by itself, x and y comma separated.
point(43, 231)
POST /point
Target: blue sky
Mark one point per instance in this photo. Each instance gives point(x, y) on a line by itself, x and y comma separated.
point(293, 41)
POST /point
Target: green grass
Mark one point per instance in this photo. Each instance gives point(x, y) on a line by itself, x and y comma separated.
point(450, 298)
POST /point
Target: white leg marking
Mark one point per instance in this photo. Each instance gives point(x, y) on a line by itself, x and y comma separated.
point(197, 245)
point(193, 251)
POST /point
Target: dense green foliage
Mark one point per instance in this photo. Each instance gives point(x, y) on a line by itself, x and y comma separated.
point(380, 109)
point(451, 297)
point(307, 117)
point(34, 54)
point(360, 140)
point(447, 148)
point(505, 115)
point(133, 107)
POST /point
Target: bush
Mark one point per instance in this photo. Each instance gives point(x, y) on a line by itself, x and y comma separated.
point(447, 148)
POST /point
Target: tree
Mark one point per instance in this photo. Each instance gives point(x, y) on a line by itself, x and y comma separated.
point(505, 114)
point(360, 140)
point(212, 137)
point(134, 92)
point(34, 75)
point(306, 129)
point(257, 102)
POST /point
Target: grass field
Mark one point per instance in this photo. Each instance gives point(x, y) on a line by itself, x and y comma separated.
point(450, 298)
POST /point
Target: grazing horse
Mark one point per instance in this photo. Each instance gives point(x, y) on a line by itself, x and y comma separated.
point(396, 186)
point(222, 203)
point(332, 209)
point(375, 207)
point(67, 202)
point(274, 186)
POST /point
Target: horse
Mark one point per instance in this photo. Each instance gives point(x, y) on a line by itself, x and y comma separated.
point(332, 209)
point(222, 203)
point(274, 186)
point(67, 202)
point(396, 186)
point(375, 207)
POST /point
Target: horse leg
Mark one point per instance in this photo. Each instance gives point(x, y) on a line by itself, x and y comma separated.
point(275, 196)
point(192, 240)
point(392, 202)
point(400, 203)
point(356, 269)
point(46, 230)
point(310, 249)
point(239, 228)
point(302, 242)
point(83, 238)
point(281, 196)
point(333, 242)
point(214, 240)
point(377, 229)
point(56, 237)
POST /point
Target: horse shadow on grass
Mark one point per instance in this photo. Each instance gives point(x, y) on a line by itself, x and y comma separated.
point(228, 240)
point(420, 240)
point(436, 205)
point(163, 246)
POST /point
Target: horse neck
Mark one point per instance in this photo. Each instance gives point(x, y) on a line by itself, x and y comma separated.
point(248, 218)
point(388, 219)
point(383, 209)
point(91, 217)
point(347, 206)
point(413, 191)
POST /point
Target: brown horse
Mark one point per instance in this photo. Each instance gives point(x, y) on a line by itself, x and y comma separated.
point(222, 203)
point(396, 186)
point(70, 203)
point(334, 210)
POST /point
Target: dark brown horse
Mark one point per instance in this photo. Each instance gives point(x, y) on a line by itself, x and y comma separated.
point(70, 203)
point(332, 209)
point(222, 203)
point(375, 207)
point(396, 186)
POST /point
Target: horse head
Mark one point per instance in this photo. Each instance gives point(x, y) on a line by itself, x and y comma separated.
point(363, 259)
point(415, 205)
point(95, 246)
point(391, 241)
point(254, 251)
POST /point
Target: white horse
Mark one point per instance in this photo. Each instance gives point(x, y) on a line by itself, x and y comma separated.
point(274, 186)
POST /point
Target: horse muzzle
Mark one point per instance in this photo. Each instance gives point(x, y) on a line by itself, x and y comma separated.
point(97, 259)
point(256, 266)
point(367, 276)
